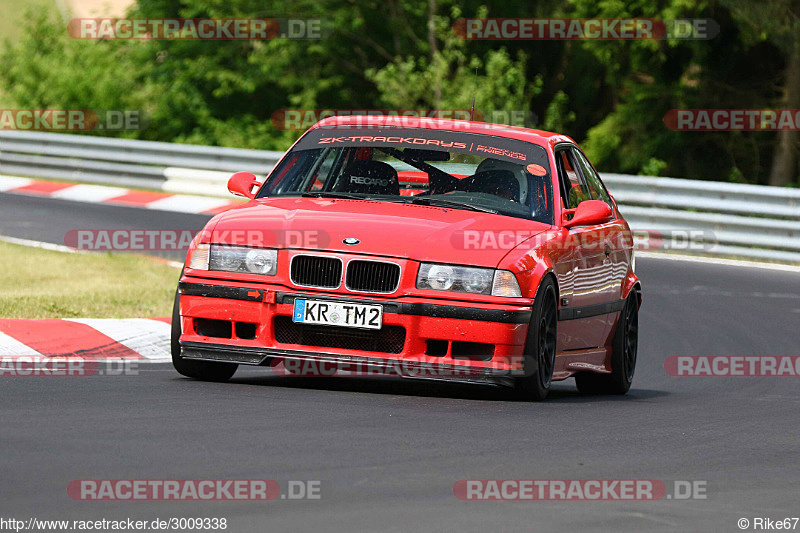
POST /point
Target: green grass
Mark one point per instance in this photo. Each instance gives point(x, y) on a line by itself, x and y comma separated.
point(48, 284)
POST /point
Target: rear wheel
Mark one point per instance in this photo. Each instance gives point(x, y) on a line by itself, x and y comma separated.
point(623, 358)
point(540, 346)
point(203, 370)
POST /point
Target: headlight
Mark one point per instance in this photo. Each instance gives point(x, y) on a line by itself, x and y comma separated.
point(468, 279)
point(261, 261)
point(235, 259)
point(439, 277)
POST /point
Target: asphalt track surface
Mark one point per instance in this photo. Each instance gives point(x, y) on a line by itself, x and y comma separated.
point(49, 219)
point(388, 451)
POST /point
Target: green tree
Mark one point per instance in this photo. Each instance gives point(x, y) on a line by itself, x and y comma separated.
point(610, 95)
point(777, 22)
point(447, 78)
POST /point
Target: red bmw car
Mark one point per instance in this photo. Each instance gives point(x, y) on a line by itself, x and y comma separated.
point(419, 247)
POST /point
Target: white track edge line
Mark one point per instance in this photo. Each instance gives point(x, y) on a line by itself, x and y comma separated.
point(43, 245)
point(66, 249)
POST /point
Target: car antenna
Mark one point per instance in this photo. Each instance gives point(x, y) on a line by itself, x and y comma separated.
point(472, 111)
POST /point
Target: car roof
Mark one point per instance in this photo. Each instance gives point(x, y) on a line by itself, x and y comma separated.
point(542, 138)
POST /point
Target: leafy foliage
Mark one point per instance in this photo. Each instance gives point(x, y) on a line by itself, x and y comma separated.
point(609, 95)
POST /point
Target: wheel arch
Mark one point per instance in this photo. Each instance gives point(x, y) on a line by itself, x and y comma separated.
point(552, 275)
point(632, 283)
point(532, 278)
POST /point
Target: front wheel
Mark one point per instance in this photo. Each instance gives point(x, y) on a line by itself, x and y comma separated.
point(623, 358)
point(539, 358)
point(202, 370)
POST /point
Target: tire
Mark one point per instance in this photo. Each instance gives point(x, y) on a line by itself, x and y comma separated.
point(623, 358)
point(202, 370)
point(540, 345)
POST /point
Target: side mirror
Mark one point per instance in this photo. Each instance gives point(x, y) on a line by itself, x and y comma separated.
point(588, 213)
point(242, 183)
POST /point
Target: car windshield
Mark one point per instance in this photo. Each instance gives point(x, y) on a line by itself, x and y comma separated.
point(457, 170)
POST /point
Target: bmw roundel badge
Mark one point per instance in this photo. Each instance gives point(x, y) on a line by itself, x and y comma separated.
point(351, 241)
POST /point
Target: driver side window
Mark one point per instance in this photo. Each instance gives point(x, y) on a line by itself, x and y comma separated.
point(596, 189)
point(573, 188)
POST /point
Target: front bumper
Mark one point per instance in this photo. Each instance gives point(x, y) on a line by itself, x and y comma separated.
point(454, 341)
point(306, 364)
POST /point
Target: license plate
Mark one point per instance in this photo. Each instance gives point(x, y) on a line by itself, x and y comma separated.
point(347, 314)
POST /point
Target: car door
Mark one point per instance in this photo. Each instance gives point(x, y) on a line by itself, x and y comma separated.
point(584, 267)
point(613, 234)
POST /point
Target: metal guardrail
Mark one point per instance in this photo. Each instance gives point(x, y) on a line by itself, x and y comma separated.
point(128, 163)
point(689, 216)
point(727, 219)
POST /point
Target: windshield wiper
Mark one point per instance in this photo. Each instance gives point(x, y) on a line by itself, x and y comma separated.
point(422, 200)
point(331, 194)
point(442, 202)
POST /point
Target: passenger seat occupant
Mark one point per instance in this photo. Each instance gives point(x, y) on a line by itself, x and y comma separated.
point(369, 177)
point(517, 170)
